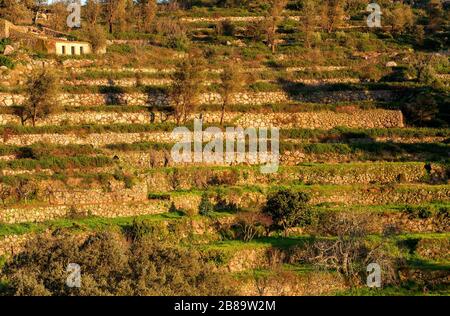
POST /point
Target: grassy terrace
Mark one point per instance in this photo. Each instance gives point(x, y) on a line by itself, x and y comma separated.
point(57, 163)
point(409, 289)
point(298, 133)
point(256, 74)
point(291, 87)
point(363, 151)
point(386, 155)
point(216, 176)
point(316, 190)
point(432, 207)
point(96, 223)
point(336, 66)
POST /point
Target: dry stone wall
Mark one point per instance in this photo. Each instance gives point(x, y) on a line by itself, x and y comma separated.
point(189, 202)
point(355, 173)
point(52, 212)
point(133, 82)
point(323, 119)
point(159, 158)
point(247, 98)
point(103, 139)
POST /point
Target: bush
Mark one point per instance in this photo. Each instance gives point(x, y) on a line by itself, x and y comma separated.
point(7, 62)
point(417, 212)
point(3, 43)
point(289, 209)
point(205, 207)
point(112, 266)
point(251, 224)
point(96, 35)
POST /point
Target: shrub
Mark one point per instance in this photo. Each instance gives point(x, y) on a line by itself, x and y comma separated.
point(96, 35)
point(7, 62)
point(226, 28)
point(112, 266)
point(349, 252)
point(289, 209)
point(205, 207)
point(252, 224)
point(417, 212)
point(3, 43)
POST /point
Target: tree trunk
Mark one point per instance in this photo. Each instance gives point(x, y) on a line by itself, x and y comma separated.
point(225, 101)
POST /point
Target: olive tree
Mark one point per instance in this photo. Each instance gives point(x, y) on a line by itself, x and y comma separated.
point(187, 86)
point(272, 21)
point(289, 209)
point(41, 89)
point(231, 82)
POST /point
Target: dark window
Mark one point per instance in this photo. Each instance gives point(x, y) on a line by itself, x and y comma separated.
point(73, 50)
point(63, 49)
point(81, 50)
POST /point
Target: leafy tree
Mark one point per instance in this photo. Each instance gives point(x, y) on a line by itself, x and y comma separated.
point(289, 209)
point(16, 11)
point(95, 34)
point(435, 12)
point(92, 12)
point(421, 109)
point(116, 14)
point(42, 90)
point(332, 14)
point(400, 18)
point(187, 86)
point(58, 17)
point(231, 82)
point(272, 20)
point(146, 12)
point(308, 20)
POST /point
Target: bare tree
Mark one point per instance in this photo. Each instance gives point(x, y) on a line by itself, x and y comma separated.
point(252, 224)
point(349, 253)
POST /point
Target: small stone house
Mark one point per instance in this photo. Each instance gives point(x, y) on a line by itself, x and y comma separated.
point(40, 40)
point(63, 47)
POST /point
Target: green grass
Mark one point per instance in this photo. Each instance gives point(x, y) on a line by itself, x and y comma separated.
point(95, 223)
point(57, 163)
point(408, 289)
point(265, 242)
point(90, 223)
point(387, 208)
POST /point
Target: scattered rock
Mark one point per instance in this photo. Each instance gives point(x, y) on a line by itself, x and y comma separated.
point(391, 64)
point(8, 50)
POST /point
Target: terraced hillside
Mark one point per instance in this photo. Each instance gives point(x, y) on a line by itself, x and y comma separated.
point(364, 141)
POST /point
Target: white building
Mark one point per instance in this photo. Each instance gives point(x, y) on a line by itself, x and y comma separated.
point(62, 47)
